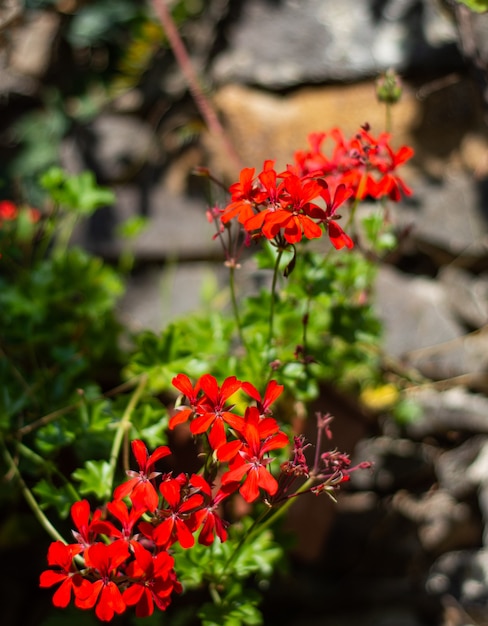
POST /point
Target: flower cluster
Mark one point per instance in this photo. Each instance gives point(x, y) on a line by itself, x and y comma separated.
point(364, 164)
point(298, 202)
point(17, 226)
point(241, 441)
point(112, 565)
point(9, 212)
point(122, 557)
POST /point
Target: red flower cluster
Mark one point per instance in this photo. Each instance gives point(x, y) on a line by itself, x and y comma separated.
point(297, 202)
point(241, 441)
point(111, 566)
point(122, 557)
point(9, 212)
point(364, 164)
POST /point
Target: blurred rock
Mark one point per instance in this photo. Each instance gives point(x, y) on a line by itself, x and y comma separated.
point(397, 464)
point(448, 217)
point(423, 330)
point(454, 467)
point(263, 125)
point(443, 523)
point(266, 46)
point(416, 318)
point(177, 227)
point(463, 575)
point(452, 410)
point(467, 295)
point(157, 296)
point(32, 43)
point(116, 146)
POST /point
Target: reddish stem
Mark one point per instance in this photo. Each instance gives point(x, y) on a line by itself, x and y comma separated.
point(182, 57)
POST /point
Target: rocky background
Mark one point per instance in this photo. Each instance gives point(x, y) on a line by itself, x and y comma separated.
point(407, 545)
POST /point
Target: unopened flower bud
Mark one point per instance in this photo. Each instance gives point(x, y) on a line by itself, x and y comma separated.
point(388, 87)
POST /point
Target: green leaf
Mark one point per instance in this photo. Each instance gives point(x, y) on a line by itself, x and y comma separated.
point(133, 226)
point(94, 478)
point(238, 608)
point(57, 497)
point(479, 6)
point(79, 192)
point(100, 21)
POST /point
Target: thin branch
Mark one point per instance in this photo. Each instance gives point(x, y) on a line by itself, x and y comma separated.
point(203, 104)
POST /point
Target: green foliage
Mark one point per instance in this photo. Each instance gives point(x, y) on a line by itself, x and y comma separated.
point(221, 561)
point(94, 479)
point(59, 498)
point(79, 193)
point(238, 607)
point(195, 345)
point(57, 321)
point(59, 338)
point(479, 6)
point(38, 134)
point(231, 564)
point(325, 327)
point(381, 238)
point(101, 21)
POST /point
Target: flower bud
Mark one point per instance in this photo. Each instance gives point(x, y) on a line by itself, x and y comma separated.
point(389, 87)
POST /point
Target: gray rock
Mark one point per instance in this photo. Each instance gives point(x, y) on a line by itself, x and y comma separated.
point(456, 469)
point(279, 45)
point(397, 463)
point(454, 409)
point(156, 296)
point(117, 145)
point(467, 295)
point(32, 43)
point(422, 328)
point(449, 216)
point(463, 575)
point(177, 227)
point(416, 321)
point(442, 522)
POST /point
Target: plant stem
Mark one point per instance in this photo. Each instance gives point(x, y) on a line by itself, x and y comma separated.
point(54, 415)
point(280, 511)
point(31, 501)
point(261, 523)
point(273, 297)
point(122, 429)
point(49, 466)
point(388, 118)
point(183, 59)
point(235, 306)
point(216, 599)
point(46, 419)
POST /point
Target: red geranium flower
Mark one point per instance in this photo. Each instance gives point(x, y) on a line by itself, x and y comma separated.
point(293, 217)
point(213, 412)
point(140, 487)
point(154, 581)
point(104, 560)
point(87, 529)
point(179, 522)
point(259, 437)
point(272, 393)
point(8, 210)
point(126, 518)
point(60, 556)
point(210, 522)
point(183, 384)
point(244, 195)
point(337, 236)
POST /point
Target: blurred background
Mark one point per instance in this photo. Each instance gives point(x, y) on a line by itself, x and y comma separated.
point(95, 85)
